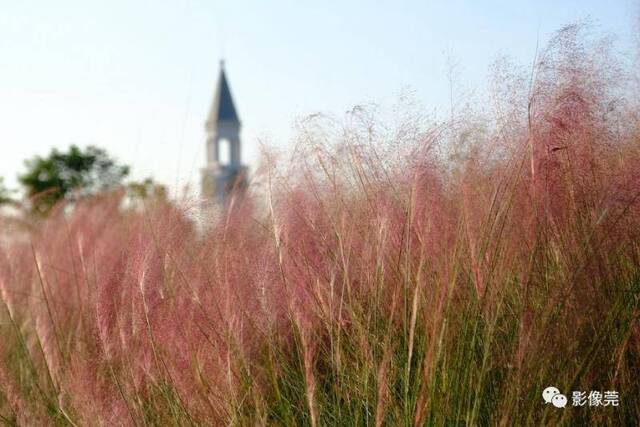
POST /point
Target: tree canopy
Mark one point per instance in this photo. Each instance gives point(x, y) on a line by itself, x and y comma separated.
point(72, 174)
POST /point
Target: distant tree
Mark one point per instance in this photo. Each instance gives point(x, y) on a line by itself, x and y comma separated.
point(4, 193)
point(70, 175)
point(146, 189)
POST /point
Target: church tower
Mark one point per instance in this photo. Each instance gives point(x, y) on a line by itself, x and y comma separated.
point(224, 172)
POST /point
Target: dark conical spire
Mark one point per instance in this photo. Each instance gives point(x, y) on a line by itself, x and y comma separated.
point(222, 107)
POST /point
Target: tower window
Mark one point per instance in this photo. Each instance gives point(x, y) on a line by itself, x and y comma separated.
point(224, 147)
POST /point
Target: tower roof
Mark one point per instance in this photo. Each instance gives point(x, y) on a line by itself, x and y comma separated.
point(222, 107)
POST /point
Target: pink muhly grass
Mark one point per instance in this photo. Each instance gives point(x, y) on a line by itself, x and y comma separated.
point(424, 273)
point(10, 390)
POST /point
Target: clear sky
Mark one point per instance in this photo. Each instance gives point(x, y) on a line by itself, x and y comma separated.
point(137, 77)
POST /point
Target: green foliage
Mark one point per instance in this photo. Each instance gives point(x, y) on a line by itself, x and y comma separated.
point(146, 189)
point(4, 193)
point(70, 174)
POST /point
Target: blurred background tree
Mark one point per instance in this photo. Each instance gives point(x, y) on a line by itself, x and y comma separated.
point(146, 189)
point(72, 174)
point(4, 193)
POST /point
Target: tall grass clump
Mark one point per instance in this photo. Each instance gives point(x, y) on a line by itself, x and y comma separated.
point(410, 273)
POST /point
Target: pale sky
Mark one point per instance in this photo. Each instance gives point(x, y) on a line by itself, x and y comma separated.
point(136, 77)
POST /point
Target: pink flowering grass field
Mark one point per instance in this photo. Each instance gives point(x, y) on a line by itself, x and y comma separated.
point(405, 271)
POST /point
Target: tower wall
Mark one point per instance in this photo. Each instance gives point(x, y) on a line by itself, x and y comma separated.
point(224, 131)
